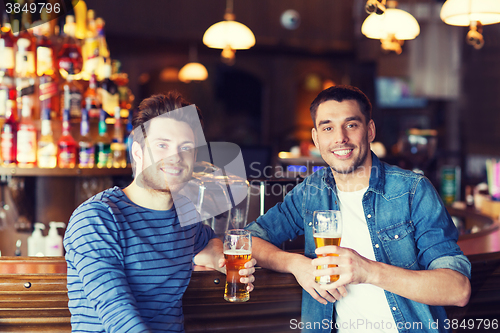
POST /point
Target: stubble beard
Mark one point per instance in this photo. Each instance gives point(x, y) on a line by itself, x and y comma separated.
point(360, 160)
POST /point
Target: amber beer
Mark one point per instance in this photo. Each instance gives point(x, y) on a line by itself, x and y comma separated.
point(324, 239)
point(235, 291)
point(237, 252)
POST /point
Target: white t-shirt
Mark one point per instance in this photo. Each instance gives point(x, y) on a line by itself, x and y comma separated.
point(365, 308)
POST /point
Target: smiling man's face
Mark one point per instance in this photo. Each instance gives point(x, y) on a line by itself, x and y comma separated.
point(167, 164)
point(342, 136)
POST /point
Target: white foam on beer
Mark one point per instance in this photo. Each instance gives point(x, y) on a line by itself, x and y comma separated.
point(327, 235)
point(240, 252)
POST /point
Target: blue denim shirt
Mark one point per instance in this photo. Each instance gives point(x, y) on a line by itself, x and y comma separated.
point(409, 228)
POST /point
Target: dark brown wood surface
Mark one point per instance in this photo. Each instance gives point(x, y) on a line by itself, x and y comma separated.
point(38, 302)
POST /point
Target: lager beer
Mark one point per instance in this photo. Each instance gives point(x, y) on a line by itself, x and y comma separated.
point(237, 252)
point(327, 230)
point(324, 239)
point(235, 291)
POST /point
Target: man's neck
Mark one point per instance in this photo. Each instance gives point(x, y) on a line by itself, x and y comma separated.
point(148, 198)
point(353, 181)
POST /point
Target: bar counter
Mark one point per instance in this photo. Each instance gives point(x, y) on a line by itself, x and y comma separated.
point(33, 298)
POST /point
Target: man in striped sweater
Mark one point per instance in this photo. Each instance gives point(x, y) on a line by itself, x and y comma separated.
point(130, 251)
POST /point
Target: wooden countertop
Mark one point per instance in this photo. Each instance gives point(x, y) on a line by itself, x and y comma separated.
point(37, 302)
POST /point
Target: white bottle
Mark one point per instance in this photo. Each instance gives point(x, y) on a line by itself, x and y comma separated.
point(54, 242)
point(36, 242)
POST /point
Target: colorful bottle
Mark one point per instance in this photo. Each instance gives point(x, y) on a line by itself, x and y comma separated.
point(28, 41)
point(90, 97)
point(46, 71)
point(90, 49)
point(9, 133)
point(70, 54)
point(118, 147)
point(26, 137)
point(47, 150)
point(129, 139)
point(72, 95)
point(85, 145)
point(7, 46)
point(108, 92)
point(25, 74)
point(103, 157)
point(66, 146)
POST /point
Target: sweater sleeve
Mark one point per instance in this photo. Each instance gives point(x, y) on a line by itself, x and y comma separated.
point(95, 261)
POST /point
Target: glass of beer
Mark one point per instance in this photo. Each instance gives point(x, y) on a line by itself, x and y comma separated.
point(327, 230)
point(237, 252)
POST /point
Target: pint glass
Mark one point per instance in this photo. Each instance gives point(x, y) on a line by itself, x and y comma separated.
point(237, 251)
point(327, 230)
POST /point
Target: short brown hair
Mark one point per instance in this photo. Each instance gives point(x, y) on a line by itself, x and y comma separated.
point(339, 94)
point(159, 104)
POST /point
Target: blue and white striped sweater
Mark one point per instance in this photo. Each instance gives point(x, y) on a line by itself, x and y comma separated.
point(129, 266)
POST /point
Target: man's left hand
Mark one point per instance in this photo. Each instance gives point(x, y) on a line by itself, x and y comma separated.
point(352, 267)
point(246, 273)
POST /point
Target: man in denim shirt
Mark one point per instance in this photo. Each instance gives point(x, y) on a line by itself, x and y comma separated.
point(398, 262)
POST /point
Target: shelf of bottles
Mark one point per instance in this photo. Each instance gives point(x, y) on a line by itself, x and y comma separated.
point(64, 105)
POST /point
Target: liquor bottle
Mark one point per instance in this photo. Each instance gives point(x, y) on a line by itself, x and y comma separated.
point(80, 10)
point(7, 46)
point(25, 73)
point(66, 157)
point(85, 145)
point(26, 137)
point(71, 92)
point(118, 147)
point(129, 139)
point(46, 70)
point(90, 49)
point(108, 91)
point(104, 56)
point(103, 144)
point(90, 97)
point(47, 150)
point(70, 56)
point(29, 45)
point(9, 133)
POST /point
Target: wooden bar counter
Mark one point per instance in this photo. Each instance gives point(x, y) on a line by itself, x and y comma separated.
point(33, 298)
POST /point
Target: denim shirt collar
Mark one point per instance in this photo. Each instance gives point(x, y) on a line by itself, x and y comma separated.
point(377, 177)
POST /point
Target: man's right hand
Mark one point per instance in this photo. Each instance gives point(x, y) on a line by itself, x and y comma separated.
point(303, 271)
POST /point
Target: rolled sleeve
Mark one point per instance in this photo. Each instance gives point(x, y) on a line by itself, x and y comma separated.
point(458, 263)
point(282, 222)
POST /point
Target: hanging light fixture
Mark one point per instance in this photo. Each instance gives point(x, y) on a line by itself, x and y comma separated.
point(229, 35)
point(193, 71)
point(471, 13)
point(392, 27)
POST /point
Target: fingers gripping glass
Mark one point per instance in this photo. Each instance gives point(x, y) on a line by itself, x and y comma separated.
point(327, 230)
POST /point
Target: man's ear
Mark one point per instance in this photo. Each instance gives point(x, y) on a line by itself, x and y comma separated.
point(137, 155)
point(314, 134)
point(371, 131)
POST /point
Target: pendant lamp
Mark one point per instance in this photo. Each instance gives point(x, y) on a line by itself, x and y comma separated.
point(229, 35)
point(392, 27)
point(471, 13)
point(193, 71)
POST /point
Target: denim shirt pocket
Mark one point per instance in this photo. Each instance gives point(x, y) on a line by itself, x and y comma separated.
point(399, 243)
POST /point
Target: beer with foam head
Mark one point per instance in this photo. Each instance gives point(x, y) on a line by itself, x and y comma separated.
point(237, 252)
point(327, 230)
point(324, 239)
point(235, 291)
